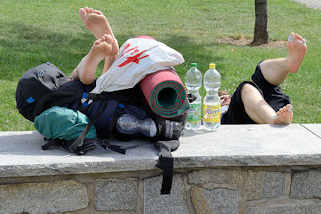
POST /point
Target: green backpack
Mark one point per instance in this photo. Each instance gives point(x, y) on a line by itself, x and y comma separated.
point(63, 125)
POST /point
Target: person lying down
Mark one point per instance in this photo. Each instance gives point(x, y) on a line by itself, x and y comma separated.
point(259, 101)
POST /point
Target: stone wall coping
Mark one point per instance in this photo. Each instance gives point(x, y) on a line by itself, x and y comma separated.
point(230, 145)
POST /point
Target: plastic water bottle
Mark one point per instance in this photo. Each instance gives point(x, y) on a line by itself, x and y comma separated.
point(193, 82)
point(212, 105)
point(130, 125)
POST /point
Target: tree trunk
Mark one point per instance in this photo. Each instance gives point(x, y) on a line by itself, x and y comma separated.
point(261, 35)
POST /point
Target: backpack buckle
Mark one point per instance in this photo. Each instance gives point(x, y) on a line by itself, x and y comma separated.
point(85, 99)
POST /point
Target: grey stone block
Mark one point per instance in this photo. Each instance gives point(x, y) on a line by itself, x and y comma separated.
point(220, 201)
point(264, 184)
point(216, 177)
point(223, 201)
point(306, 184)
point(40, 198)
point(273, 184)
point(286, 207)
point(116, 194)
point(155, 203)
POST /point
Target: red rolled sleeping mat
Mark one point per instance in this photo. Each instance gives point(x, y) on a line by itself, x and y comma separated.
point(165, 93)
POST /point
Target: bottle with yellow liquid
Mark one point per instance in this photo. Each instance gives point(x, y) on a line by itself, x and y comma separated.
point(211, 103)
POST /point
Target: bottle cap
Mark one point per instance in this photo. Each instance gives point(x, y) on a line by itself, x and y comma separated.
point(212, 66)
point(194, 64)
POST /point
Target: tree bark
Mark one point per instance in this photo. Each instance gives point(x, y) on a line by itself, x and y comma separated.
point(261, 35)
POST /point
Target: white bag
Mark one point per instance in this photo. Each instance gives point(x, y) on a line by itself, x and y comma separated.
point(137, 58)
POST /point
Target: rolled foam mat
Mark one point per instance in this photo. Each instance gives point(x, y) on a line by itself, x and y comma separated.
point(165, 93)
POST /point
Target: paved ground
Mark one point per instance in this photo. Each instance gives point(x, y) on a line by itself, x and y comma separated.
point(311, 3)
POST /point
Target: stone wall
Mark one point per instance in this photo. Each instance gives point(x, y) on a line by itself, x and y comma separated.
point(248, 169)
point(225, 190)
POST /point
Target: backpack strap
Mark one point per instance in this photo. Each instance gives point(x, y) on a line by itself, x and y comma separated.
point(88, 145)
point(79, 142)
point(120, 149)
point(166, 163)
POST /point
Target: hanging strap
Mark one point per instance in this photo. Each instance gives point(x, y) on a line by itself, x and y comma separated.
point(166, 164)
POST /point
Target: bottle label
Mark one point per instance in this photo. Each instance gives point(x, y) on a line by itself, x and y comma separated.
point(212, 113)
point(194, 114)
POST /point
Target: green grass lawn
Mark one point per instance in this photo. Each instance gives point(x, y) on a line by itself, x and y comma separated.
point(36, 31)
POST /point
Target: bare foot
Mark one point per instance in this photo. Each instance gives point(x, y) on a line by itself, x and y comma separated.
point(296, 51)
point(96, 22)
point(102, 48)
point(284, 115)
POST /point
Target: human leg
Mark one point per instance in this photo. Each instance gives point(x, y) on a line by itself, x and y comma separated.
point(98, 24)
point(276, 70)
point(86, 70)
point(274, 106)
point(260, 111)
point(236, 113)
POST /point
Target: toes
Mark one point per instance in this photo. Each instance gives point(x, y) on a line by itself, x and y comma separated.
point(299, 39)
point(295, 37)
point(98, 41)
point(282, 109)
point(113, 42)
point(108, 38)
point(298, 36)
point(291, 37)
point(89, 10)
point(289, 107)
point(285, 114)
point(105, 38)
point(97, 12)
point(82, 12)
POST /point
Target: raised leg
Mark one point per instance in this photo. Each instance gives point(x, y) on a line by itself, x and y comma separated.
point(276, 70)
point(98, 24)
point(86, 70)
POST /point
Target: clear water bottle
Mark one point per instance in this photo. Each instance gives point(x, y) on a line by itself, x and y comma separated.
point(211, 104)
point(193, 82)
point(130, 125)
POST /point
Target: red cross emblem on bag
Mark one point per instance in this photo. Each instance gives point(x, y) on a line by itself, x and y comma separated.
point(132, 58)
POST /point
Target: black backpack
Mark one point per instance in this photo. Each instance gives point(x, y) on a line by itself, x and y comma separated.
point(45, 86)
point(34, 85)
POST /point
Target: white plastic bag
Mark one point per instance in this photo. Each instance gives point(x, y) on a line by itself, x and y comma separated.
point(138, 57)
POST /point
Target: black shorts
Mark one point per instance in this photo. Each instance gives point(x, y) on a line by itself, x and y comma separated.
point(272, 94)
